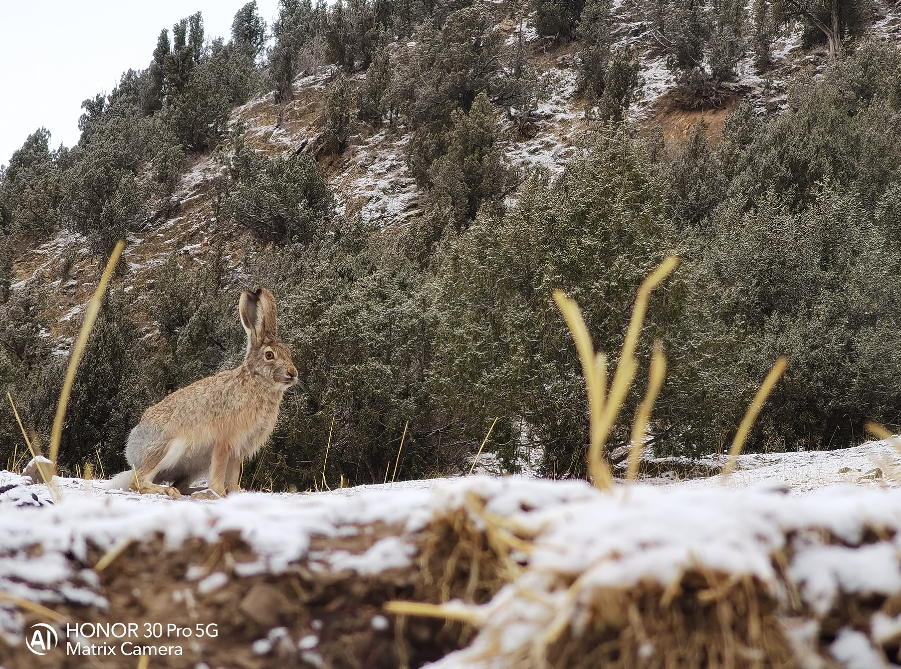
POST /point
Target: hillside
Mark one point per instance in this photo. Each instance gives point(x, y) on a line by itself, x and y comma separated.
point(413, 185)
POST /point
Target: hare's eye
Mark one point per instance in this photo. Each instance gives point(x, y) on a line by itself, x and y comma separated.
point(270, 355)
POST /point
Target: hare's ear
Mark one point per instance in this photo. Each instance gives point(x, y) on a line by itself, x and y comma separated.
point(266, 309)
point(257, 310)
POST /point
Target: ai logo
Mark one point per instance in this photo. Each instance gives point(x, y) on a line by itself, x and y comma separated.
point(43, 639)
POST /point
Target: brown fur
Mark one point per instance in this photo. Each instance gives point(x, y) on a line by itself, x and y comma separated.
point(216, 423)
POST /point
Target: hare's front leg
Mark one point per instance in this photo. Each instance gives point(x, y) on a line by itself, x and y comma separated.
point(219, 468)
point(233, 474)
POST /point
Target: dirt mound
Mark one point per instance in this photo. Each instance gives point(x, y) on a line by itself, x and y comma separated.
point(476, 572)
point(189, 605)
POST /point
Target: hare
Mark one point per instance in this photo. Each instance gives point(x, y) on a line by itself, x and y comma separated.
point(214, 424)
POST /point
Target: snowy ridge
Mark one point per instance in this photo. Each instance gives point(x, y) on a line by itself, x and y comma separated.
point(641, 535)
point(839, 541)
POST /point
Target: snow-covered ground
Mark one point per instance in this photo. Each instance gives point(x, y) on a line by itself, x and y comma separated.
point(835, 517)
point(875, 464)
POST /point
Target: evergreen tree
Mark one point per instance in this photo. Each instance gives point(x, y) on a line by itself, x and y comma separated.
point(106, 400)
point(283, 199)
point(830, 19)
point(557, 18)
point(595, 30)
point(449, 68)
point(620, 86)
point(594, 232)
point(472, 171)
point(337, 118)
point(764, 33)
point(696, 180)
point(248, 31)
point(295, 29)
point(374, 97)
point(29, 187)
point(704, 40)
point(156, 93)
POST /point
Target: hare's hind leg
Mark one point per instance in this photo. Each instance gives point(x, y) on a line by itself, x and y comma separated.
point(155, 461)
point(183, 485)
point(143, 484)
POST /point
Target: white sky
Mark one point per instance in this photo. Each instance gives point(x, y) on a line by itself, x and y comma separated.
point(56, 53)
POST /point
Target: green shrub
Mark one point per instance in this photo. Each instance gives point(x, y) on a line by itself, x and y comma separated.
point(472, 172)
point(502, 348)
point(820, 286)
point(282, 199)
point(356, 316)
point(337, 117)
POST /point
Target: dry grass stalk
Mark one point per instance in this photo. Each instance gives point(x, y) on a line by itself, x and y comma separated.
point(77, 351)
point(880, 432)
point(399, 449)
point(144, 662)
point(34, 608)
point(100, 463)
point(890, 469)
point(112, 554)
point(441, 611)
point(484, 441)
point(46, 474)
point(753, 411)
point(501, 540)
point(594, 386)
point(327, 447)
point(604, 407)
point(643, 416)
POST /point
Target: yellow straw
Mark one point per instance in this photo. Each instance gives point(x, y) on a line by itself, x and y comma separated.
point(604, 406)
point(753, 411)
point(639, 427)
point(77, 351)
point(484, 441)
point(327, 446)
point(394, 473)
point(40, 466)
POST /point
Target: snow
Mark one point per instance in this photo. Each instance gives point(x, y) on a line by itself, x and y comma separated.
point(376, 182)
point(555, 142)
point(636, 534)
point(808, 470)
point(308, 642)
point(854, 651)
point(645, 534)
point(824, 571)
point(388, 553)
point(212, 582)
point(885, 628)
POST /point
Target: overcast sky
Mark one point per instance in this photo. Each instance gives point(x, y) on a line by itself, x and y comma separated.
point(56, 53)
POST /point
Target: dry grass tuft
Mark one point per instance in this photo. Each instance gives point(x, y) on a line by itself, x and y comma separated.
point(704, 619)
point(484, 441)
point(604, 407)
point(459, 560)
point(643, 416)
point(399, 449)
point(45, 474)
